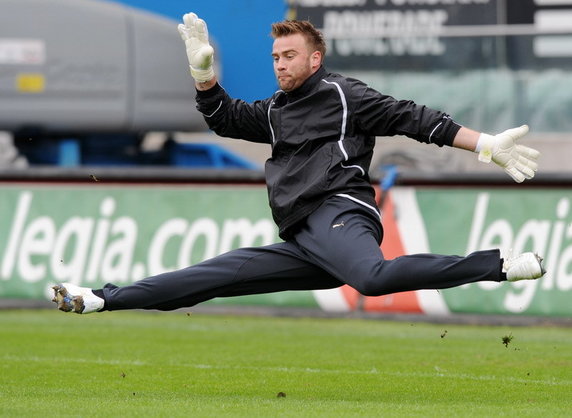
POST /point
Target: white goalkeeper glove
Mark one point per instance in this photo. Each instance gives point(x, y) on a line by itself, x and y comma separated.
point(199, 52)
point(518, 161)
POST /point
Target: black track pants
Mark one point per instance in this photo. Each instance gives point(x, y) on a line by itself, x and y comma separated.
point(339, 244)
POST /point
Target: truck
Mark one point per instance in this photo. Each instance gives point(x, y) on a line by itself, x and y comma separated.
point(86, 81)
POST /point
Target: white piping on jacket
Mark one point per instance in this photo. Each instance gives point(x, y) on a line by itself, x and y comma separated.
point(270, 123)
point(344, 122)
point(216, 110)
point(434, 129)
point(437, 127)
point(347, 196)
point(268, 115)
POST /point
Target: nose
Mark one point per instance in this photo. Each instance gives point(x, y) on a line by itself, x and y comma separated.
point(279, 64)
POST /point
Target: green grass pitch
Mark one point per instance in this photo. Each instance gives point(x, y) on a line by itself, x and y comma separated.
point(138, 364)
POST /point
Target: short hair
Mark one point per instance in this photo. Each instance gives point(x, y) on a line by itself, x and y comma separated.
point(290, 27)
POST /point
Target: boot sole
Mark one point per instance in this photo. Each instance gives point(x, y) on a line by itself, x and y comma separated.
point(540, 260)
point(67, 302)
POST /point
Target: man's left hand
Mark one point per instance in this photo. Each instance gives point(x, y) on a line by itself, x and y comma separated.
point(518, 161)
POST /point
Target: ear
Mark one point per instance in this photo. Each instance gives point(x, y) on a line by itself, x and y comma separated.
point(316, 58)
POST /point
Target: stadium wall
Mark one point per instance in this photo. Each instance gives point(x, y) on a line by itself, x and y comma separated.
point(104, 230)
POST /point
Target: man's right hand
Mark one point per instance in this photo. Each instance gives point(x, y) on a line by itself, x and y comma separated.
point(199, 52)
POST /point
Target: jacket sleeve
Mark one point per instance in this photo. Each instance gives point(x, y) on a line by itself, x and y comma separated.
point(234, 118)
point(381, 115)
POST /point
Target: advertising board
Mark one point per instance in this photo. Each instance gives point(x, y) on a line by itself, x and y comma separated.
point(418, 35)
point(91, 235)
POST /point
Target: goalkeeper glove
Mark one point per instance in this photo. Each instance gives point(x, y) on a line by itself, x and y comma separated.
point(200, 53)
point(518, 161)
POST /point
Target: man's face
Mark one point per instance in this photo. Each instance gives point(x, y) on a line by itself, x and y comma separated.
point(293, 61)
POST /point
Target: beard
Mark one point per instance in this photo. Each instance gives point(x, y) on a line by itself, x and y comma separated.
point(294, 77)
point(286, 84)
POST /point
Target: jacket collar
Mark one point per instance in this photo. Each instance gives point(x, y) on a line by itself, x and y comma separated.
point(308, 85)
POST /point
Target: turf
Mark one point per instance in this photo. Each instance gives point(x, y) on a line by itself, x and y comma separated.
point(137, 364)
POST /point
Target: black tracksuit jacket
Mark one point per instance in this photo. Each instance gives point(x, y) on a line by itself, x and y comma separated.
point(322, 136)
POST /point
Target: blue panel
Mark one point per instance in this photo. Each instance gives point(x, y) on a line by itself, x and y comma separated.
point(207, 156)
point(69, 153)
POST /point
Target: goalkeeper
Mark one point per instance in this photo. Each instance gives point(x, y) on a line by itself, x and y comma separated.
point(321, 128)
